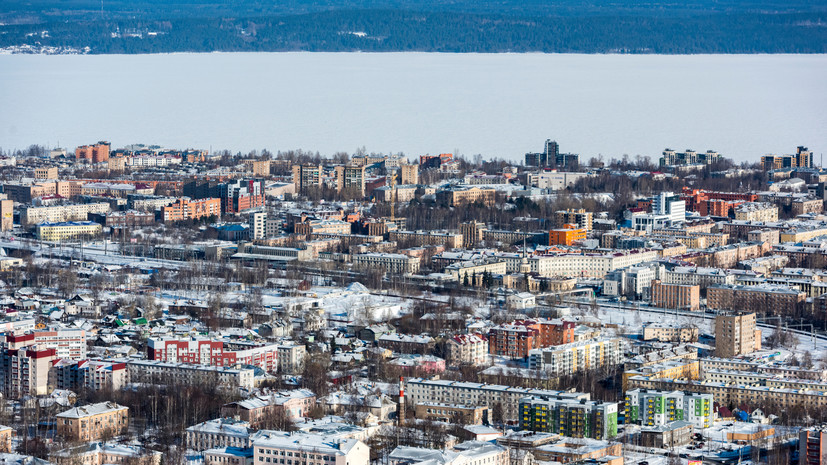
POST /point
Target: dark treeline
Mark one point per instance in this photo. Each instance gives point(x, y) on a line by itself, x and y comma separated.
point(396, 30)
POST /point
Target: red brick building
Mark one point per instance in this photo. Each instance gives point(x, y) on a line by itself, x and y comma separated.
point(515, 340)
point(97, 153)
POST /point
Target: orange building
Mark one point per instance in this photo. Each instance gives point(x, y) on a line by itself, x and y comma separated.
point(515, 340)
point(568, 235)
point(97, 153)
point(186, 209)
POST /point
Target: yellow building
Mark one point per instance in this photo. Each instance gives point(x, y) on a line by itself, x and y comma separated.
point(93, 422)
point(68, 230)
point(678, 369)
point(6, 434)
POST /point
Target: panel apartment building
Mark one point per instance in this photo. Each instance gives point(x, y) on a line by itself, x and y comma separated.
point(571, 418)
point(211, 352)
point(657, 408)
point(473, 394)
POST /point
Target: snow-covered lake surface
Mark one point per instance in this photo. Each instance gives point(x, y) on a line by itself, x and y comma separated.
point(498, 105)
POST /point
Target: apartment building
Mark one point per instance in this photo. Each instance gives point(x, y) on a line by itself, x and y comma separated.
point(420, 390)
point(54, 232)
point(803, 158)
point(463, 195)
point(460, 414)
point(736, 334)
point(405, 343)
point(389, 262)
point(45, 172)
point(422, 238)
point(351, 178)
point(756, 211)
point(6, 433)
point(6, 215)
point(220, 432)
point(594, 265)
point(31, 216)
point(409, 174)
point(812, 446)
point(186, 209)
point(211, 352)
point(698, 276)
point(679, 296)
point(468, 349)
point(568, 417)
point(763, 298)
point(678, 352)
point(473, 271)
point(258, 167)
point(771, 368)
point(472, 233)
point(737, 394)
point(317, 226)
point(151, 371)
point(97, 153)
point(92, 422)
point(669, 332)
point(308, 449)
point(256, 410)
point(689, 157)
point(566, 359)
point(93, 375)
point(291, 357)
point(516, 340)
point(67, 343)
point(307, 177)
point(685, 368)
point(659, 408)
point(580, 218)
point(25, 372)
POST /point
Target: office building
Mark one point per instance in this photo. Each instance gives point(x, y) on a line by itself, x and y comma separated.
point(566, 236)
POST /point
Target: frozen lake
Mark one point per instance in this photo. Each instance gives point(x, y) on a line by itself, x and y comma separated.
point(498, 105)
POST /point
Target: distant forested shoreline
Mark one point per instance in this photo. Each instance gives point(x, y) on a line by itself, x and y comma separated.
point(618, 30)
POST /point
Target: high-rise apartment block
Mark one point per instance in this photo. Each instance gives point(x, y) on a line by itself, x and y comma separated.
point(802, 158)
point(98, 153)
point(580, 218)
point(351, 178)
point(736, 334)
point(410, 174)
point(551, 157)
point(812, 446)
point(689, 157)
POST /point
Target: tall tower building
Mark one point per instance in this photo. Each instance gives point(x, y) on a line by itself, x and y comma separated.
point(410, 174)
point(736, 334)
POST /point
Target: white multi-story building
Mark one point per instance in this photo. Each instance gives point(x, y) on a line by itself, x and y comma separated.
point(697, 276)
point(61, 213)
point(220, 432)
point(291, 357)
point(258, 224)
point(588, 265)
point(566, 359)
point(471, 349)
point(271, 447)
point(390, 262)
point(68, 343)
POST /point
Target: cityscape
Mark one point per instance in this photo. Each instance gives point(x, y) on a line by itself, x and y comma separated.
point(191, 306)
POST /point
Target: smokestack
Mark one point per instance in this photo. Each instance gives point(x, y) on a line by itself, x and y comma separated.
point(401, 410)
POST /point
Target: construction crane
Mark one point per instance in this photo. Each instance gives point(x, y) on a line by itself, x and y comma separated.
point(393, 196)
